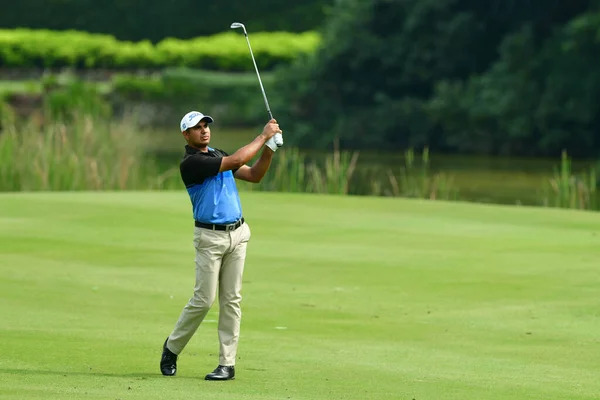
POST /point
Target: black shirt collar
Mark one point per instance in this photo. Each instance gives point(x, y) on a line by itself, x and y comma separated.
point(192, 150)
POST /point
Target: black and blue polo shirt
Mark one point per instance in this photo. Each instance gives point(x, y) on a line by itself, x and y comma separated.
point(214, 194)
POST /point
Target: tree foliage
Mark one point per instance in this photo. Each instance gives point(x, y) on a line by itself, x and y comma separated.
point(497, 77)
point(138, 20)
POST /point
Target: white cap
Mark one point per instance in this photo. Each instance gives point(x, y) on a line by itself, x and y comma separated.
point(192, 118)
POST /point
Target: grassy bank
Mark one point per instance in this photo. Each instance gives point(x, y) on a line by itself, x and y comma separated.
point(74, 151)
point(344, 297)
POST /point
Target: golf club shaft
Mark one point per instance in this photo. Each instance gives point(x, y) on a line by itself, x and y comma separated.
point(258, 74)
point(277, 138)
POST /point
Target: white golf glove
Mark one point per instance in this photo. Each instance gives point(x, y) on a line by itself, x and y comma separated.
point(275, 142)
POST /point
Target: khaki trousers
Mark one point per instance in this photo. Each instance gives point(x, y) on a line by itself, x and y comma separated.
point(220, 258)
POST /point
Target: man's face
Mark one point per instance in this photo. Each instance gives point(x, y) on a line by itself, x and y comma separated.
point(198, 136)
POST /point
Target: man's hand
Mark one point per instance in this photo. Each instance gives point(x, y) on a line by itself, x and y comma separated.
point(270, 129)
point(273, 132)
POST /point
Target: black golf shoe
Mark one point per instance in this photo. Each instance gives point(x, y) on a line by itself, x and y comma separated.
point(168, 361)
point(221, 373)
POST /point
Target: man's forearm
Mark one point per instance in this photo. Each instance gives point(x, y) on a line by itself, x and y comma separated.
point(246, 153)
point(260, 167)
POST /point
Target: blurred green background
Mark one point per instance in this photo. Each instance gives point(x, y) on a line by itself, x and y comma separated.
point(495, 102)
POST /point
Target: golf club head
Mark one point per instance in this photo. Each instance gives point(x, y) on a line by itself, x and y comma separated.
point(236, 25)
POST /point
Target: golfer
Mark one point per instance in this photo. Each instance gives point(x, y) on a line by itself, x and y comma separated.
point(220, 236)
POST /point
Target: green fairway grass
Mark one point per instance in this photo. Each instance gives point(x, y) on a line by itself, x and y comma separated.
point(344, 298)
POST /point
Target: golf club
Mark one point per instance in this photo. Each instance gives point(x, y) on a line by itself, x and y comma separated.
point(236, 25)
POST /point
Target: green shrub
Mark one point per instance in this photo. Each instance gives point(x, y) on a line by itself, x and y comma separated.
point(229, 51)
point(55, 49)
point(132, 87)
point(63, 100)
point(234, 99)
point(225, 51)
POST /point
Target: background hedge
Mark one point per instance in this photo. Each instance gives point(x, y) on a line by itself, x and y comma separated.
point(234, 99)
point(227, 51)
point(157, 20)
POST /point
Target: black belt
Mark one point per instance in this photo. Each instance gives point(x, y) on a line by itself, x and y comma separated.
point(215, 227)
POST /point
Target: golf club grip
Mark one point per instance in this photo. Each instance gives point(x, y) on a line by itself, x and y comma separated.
point(277, 138)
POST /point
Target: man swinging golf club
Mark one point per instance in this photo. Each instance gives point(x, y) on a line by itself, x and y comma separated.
point(220, 236)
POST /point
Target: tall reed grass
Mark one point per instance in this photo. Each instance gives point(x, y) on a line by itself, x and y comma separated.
point(418, 181)
point(566, 189)
point(75, 144)
point(336, 173)
point(290, 171)
point(94, 153)
point(85, 154)
point(286, 174)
